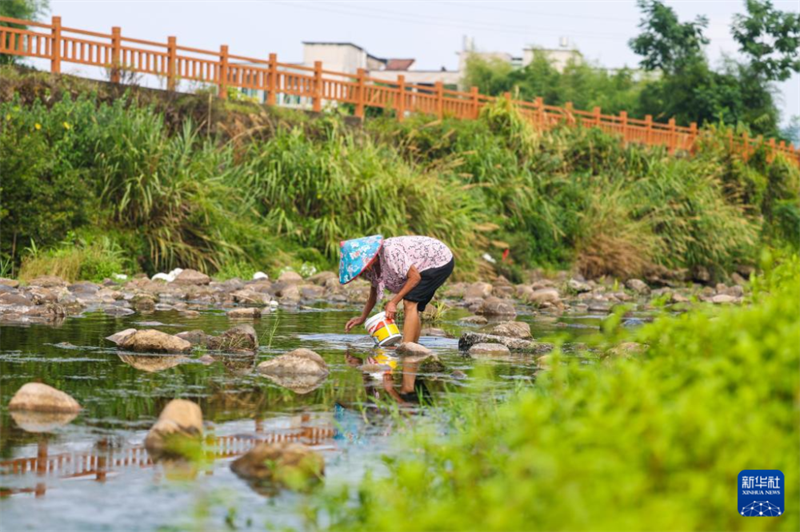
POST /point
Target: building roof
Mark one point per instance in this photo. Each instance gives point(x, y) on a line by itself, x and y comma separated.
point(334, 43)
point(399, 64)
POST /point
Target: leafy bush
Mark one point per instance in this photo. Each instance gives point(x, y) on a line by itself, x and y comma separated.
point(77, 258)
point(645, 444)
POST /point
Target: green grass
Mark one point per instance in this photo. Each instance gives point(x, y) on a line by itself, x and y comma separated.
point(651, 443)
point(196, 183)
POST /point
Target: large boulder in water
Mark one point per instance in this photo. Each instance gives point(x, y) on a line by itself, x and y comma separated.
point(478, 290)
point(39, 422)
point(298, 362)
point(153, 341)
point(40, 397)
point(291, 465)
point(543, 296)
point(290, 277)
point(239, 338)
point(179, 420)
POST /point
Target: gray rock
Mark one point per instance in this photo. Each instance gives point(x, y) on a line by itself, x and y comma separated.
point(194, 337)
point(144, 302)
point(48, 281)
point(290, 277)
point(638, 286)
point(248, 296)
point(244, 313)
point(722, 299)
point(120, 336)
point(412, 349)
point(493, 306)
point(488, 350)
point(180, 420)
point(468, 339)
point(151, 340)
point(12, 283)
point(435, 332)
point(578, 286)
point(297, 362)
point(42, 398)
point(239, 338)
point(514, 329)
point(312, 292)
point(324, 278)
point(284, 464)
point(478, 290)
point(300, 384)
point(543, 295)
point(15, 299)
point(476, 320)
point(192, 277)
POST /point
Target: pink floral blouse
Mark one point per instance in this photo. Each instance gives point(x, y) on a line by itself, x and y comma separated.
point(398, 254)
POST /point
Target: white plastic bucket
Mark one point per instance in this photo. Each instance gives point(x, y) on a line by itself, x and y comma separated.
point(383, 330)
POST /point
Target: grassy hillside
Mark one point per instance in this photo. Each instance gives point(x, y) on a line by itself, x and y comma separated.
point(97, 180)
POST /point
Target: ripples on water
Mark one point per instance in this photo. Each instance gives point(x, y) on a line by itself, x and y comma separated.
point(92, 472)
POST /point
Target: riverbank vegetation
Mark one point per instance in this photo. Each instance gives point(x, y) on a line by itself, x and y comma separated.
point(147, 182)
point(651, 442)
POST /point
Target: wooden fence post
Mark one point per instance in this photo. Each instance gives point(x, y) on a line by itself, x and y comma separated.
point(272, 82)
point(746, 145)
point(222, 80)
point(440, 99)
point(476, 103)
point(693, 136)
point(362, 92)
point(172, 60)
point(648, 124)
point(401, 98)
point(596, 113)
point(316, 103)
point(771, 156)
point(623, 118)
point(116, 42)
point(570, 116)
point(55, 44)
point(540, 111)
point(673, 136)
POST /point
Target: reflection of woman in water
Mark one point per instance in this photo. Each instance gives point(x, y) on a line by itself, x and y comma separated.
point(413, 389)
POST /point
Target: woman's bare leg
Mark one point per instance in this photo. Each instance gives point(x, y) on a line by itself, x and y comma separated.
point(411, 322)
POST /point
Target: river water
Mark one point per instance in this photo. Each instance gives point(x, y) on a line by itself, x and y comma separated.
point(92, 472)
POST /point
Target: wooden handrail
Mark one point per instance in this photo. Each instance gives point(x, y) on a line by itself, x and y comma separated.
point(318, 85)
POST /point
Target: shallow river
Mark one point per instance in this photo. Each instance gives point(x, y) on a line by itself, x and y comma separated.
point(93, 473)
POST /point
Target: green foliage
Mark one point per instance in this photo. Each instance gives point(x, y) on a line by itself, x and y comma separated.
point(321, 187)
point(86, 257)
point(654, 443)
point(770, 38)
point(285, 194)
point(665, 43)
point(23, 10)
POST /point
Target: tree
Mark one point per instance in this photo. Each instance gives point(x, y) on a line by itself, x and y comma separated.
point(24, 10)
point(665, 43)
point(770, 38)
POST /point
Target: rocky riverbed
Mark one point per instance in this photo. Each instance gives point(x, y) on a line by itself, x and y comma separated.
point(265, 372)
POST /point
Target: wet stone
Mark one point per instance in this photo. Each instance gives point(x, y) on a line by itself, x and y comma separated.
point(244, 313)
point(476, 320)
point(154, 341)
point(487, 349)
point(180, 419)
point(299, 361)
point(286, 464)
point(43, 398)
point(515, 329)
point(192, 277)
point(412, 349)
point(239, 338)
point(194, 337)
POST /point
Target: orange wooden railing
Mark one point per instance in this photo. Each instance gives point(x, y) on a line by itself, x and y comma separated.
point(175, 63)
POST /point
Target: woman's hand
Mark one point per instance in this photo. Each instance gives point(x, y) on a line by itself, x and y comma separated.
point(391, 309)
point(352, 322)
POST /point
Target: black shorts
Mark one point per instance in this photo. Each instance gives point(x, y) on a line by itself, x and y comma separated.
point(432, 279)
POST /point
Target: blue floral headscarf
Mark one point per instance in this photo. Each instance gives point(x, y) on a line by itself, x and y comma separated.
point(357, 254)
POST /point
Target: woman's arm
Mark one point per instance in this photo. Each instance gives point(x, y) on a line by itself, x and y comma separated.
point(412, 279)
point(368, 306)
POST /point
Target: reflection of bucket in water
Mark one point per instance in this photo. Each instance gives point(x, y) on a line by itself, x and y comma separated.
point(383, 330)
